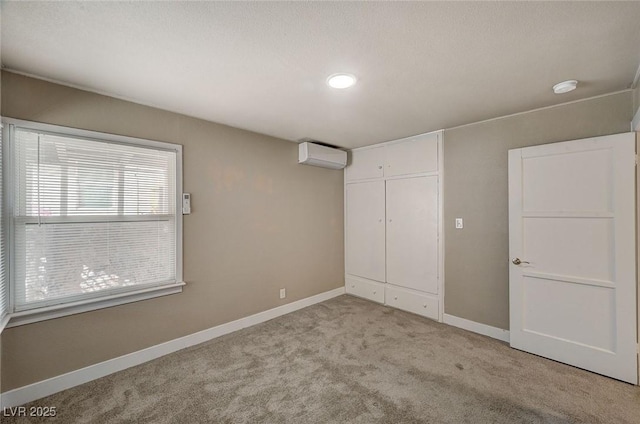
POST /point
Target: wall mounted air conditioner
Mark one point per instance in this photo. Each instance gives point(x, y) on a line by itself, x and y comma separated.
point(317, 155)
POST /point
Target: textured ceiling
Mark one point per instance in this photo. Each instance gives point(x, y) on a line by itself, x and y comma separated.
point(262, 65)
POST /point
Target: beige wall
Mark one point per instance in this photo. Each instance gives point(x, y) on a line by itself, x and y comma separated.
point(259, 222)
point(475, 179)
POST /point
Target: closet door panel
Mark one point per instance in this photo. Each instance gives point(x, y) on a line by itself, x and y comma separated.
point(419, 303)
point(415, 155)
point(366, 289)
point(412, 233)
point(365, 230)
point(364, 164)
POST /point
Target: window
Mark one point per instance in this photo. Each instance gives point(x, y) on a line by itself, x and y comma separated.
point(94, 217)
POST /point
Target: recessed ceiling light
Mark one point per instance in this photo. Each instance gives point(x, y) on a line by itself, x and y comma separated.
point(341, 80)
point(565, 86)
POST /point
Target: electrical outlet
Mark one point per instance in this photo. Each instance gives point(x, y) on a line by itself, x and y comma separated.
point(283, 293)
point(459, 224)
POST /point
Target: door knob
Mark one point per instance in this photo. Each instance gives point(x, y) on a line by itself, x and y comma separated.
point(517, 261)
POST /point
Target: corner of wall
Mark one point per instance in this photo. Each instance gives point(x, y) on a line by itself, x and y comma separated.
point(635, 125)
point(638, 236)
point(0, 330)
point(251, 221)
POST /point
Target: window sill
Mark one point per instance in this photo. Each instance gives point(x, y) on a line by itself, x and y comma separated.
point(57, 311)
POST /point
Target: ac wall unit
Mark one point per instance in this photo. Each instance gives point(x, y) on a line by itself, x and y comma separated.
point(317, 155)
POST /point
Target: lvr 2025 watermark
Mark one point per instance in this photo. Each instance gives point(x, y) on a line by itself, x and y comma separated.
point(32, 411)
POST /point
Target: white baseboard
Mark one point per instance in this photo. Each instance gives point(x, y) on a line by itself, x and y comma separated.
point(38, 390)
point(476, 327)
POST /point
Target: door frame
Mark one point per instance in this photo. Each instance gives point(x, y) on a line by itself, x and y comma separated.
point(635, 126)
point(637, 130)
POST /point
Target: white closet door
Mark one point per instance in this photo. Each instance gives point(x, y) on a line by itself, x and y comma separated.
point(366, 163)
point(365, 230)
point(412, 233)
point(415, 155)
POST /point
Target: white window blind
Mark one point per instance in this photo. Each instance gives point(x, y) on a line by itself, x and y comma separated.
point(91, 218)
point(4, 281)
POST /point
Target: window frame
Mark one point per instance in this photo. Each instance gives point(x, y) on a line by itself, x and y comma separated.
point(4, 222)
point(108, 300)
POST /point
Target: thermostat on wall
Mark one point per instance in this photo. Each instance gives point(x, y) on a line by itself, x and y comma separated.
point(186, 203)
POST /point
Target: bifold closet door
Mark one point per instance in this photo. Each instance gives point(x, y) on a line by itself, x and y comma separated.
point(412, 233)
point(365, 230)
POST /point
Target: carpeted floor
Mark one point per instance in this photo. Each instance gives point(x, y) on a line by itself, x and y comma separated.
point(348, 360)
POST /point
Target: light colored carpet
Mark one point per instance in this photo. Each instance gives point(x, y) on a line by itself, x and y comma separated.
point(349, 360)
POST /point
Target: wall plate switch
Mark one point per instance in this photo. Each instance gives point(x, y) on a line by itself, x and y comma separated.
point(459, 224)
point(283, 293)
point(186, 203)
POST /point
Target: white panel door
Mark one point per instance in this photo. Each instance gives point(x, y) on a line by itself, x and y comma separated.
point(572, 230)
point(412, 233)
point(415, 155)
point(366, 163)
point(365, 230)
